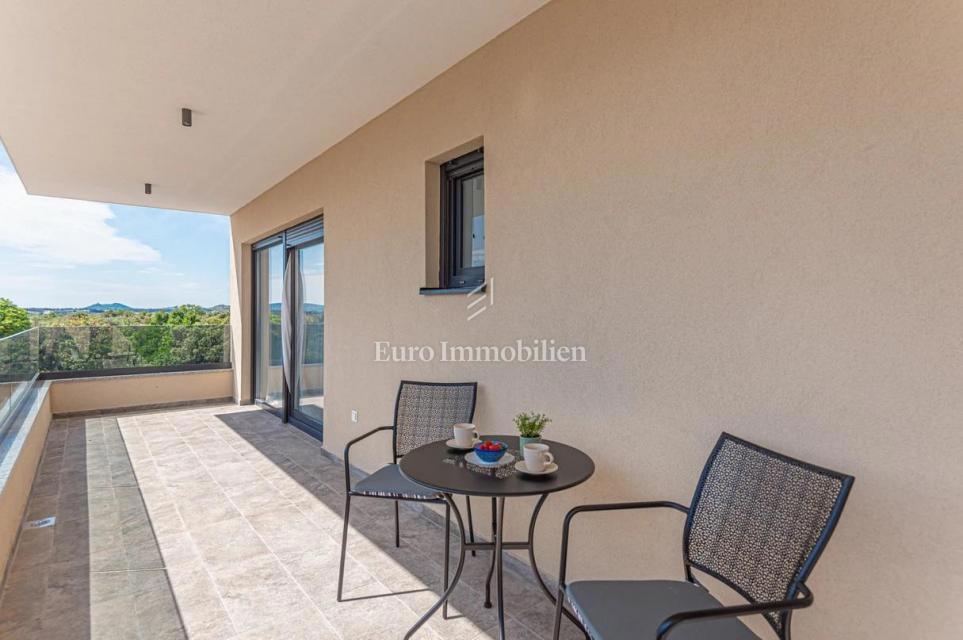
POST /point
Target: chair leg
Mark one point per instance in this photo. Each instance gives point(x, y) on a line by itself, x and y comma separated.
point(471, 525)
point(344, 544)
point(444, 609)
point(559, 605)
point(397, 527)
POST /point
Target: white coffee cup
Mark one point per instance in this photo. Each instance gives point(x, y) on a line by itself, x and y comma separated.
point(464, 434)
point(537, 456)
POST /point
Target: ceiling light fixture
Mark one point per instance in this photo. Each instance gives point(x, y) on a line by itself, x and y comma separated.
point(147, 188)
point(186, 117)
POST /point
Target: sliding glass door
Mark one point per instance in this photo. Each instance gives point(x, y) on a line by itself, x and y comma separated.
point(289, 325)
point(268, 291)
point(308, 393)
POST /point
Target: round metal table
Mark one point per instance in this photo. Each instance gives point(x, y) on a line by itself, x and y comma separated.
point(445, 470)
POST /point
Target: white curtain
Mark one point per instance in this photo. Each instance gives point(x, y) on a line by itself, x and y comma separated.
point(291, 359)
point(286, 332)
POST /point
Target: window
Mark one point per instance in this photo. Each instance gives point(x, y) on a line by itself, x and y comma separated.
point(463, 221)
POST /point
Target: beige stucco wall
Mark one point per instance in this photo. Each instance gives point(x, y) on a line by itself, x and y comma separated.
point(18, 468)
point(117, 392)
point(749, 215)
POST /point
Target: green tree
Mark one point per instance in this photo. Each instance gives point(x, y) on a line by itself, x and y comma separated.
point(113, 339)
point(100, 348)
point(151, 344)
point(13, 319)
point(59, 350)
point(182, 335)
point(199, 343)
point(185, 315)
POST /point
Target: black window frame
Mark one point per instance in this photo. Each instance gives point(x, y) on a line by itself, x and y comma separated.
point(453, 173)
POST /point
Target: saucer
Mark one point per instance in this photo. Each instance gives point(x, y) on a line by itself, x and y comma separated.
point(451, 444)
point(475, 460)
point(551, 467)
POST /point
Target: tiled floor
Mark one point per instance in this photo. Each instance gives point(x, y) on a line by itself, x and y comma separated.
point(221, 522)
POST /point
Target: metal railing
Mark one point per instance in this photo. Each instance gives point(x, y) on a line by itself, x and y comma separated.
point(102, 350)
point(19, 368)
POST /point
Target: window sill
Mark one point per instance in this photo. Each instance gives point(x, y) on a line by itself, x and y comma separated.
point(450, 291)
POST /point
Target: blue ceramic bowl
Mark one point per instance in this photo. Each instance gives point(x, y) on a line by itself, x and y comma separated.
point(491, 456)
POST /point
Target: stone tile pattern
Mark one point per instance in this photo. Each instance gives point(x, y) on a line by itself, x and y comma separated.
point(220, 522)
point(98, 572)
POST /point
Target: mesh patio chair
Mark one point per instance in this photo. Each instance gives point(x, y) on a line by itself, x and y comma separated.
point(424, 412)
point(758, 522)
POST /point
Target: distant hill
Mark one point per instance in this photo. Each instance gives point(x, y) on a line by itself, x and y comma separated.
point(99, 307)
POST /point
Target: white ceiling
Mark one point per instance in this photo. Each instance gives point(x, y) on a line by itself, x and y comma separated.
point(91, 90)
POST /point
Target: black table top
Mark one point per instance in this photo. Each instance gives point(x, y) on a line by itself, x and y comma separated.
point(436, 466)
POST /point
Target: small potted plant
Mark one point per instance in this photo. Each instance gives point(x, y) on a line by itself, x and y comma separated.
point(530, 427)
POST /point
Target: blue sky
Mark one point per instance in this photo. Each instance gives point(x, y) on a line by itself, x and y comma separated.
point(69, 253)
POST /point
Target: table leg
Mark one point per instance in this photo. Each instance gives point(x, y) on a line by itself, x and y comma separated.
point(454, 581)
point(491, 567)
point(444, 608)
point(471, 525)
point(499, 539)
point(538, 575)
point(496, 568)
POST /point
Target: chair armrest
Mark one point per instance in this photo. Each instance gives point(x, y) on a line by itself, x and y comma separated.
point(347, 448)
point(670, 623)
point(615, 506)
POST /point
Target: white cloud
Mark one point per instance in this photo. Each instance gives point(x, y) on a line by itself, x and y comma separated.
point(68, 232)
point(51, 289)
point(158, 271)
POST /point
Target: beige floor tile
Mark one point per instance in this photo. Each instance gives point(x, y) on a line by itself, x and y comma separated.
point(154, 606)
point(364, 616)
point(285, 529)
point(176, 548)
point(259, 572)
point(235, 520)
point(204, 509)
point(307, 626)
point(255, 498)
point(202, 612)
point(225, 543)
point(316, 571)
point(252, 608)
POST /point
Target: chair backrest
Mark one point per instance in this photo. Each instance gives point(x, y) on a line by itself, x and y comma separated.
point(759, 521)
point(426, 411)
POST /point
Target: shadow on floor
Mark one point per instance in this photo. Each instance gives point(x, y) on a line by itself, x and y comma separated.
point(376, 569)
point(97, 572)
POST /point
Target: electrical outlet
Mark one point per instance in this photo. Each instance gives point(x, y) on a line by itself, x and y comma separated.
point(354, 415)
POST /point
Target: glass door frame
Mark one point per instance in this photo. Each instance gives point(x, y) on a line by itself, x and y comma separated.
point(291, 240)
point(294, 415)
point(264, 245)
